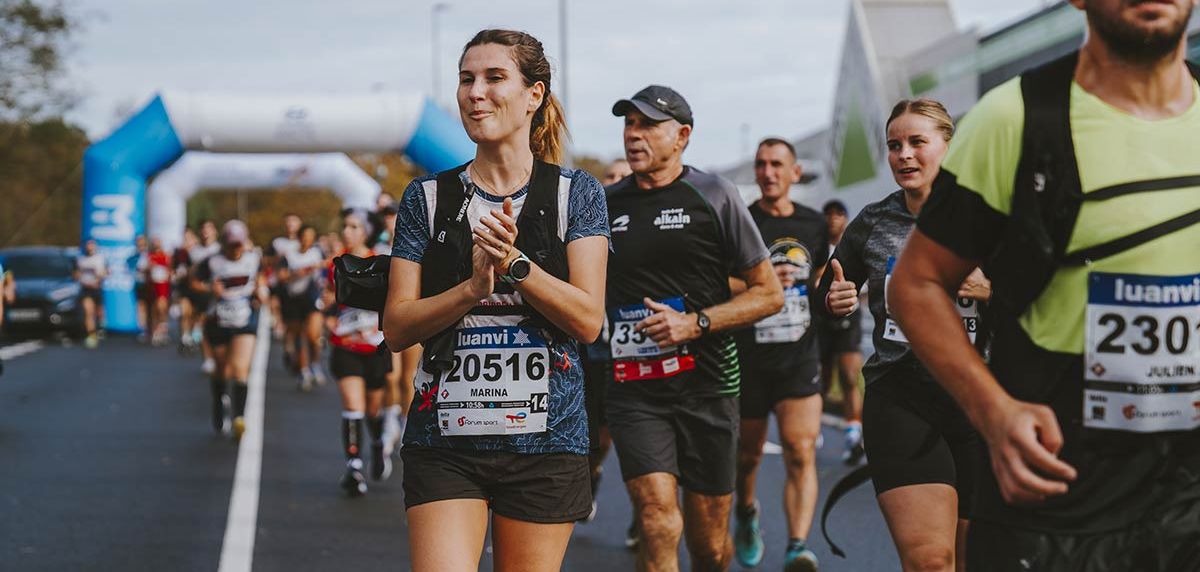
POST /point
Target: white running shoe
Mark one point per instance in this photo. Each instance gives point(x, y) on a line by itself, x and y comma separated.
point(306, 380)
point(208, 366)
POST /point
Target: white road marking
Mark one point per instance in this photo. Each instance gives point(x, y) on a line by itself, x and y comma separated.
point(237, 550)
point(18, 350)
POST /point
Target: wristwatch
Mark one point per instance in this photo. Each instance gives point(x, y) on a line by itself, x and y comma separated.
point(518, 270)
point(703, 321)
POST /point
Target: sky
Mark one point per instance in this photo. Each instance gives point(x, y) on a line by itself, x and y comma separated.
point(749, 69)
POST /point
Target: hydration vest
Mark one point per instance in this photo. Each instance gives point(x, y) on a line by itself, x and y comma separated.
point(1047, 196)
point(447, 258)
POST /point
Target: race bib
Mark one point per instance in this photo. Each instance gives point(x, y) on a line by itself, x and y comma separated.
point(1142, 353)
point(498, 383)
point(159, 274)
point(968, 310)
point(635, 355)
point(233, 313)
point(791, 323)
point(353, 323)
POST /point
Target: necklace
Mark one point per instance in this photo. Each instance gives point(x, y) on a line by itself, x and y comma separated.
point(477, 180)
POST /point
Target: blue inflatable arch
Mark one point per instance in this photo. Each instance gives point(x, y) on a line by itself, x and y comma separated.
point(117, 168)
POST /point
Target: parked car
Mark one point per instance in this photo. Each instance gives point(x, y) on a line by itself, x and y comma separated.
point(47, 295)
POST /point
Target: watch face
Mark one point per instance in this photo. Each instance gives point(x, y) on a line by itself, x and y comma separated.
point(519, 269)
point(702, 321)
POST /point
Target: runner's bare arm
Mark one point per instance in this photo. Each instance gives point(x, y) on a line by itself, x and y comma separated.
point(577, 307)
point(1023, 438)
point(410, 319)
point(763, 296)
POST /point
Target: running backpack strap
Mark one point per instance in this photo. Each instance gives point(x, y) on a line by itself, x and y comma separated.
point(1046, 192)
point(537, 234)
point(443, 265)
point(848, 483)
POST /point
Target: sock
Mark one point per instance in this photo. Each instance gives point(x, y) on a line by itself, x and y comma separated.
point(217, 386)
point(854, 426)
point(352, 434)
point(239, 398)
point(795, 544)
point(747, 511)
point(375, 429)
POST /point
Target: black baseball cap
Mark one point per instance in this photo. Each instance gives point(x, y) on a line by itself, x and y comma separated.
point(834, 206)
point(657, 102)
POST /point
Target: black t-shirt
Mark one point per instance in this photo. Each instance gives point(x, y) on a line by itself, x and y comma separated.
point(681, 241)
point(787, 339)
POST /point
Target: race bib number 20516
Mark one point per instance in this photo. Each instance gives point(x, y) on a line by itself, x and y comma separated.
point(498, 383)
point(1142, 353)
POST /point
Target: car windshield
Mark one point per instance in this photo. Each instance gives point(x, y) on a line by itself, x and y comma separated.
point(38, 266)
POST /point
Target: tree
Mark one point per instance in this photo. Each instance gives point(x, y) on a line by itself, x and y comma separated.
point(42, 182)
point(33, 39)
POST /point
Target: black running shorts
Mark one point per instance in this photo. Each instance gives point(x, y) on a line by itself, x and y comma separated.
point(550, 488)
point(297, 308)
point(914, 433)
point(372, 367)
point(839, 335)
point(693, 438)
point(1165, 539)
point(96, 294)
point(218, 336)
point(763, 387)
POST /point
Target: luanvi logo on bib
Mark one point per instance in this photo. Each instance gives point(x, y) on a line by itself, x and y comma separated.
point(672, 219)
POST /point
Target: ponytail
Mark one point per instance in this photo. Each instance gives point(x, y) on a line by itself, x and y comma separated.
point(548, 137)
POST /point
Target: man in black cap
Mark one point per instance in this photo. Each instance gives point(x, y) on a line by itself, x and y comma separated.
point(678, 235)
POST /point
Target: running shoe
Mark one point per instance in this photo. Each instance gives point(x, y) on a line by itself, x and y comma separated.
point(799, 558)
point(318, 374)
point(208, 366)
point(747, 537)
point(381, 462)
point(239, 428)
point(633, 536)
point(306, 380)
point(854, 452)
point(353, 482)
point(91, 342)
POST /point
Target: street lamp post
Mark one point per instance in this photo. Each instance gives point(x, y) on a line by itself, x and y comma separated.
point(435, 62)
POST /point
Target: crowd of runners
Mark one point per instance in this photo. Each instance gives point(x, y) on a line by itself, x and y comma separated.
point(1031, 401)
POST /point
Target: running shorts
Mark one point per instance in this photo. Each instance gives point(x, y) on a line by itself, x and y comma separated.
point(218, 336)
point(693, 438)
point(296, 308)
point(372, 367)
point(763, 387)
point(914, 433)
point(839, 335)
point(199, 301)
point(96, 294)
point(548, 488)
point(1164, 539)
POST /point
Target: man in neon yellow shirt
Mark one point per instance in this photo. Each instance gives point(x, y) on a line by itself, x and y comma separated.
point(1090, 407)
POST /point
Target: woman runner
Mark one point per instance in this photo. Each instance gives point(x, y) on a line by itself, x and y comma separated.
point(498, 270)
point(360, 366)
point(233, 276)
point(920, 447)
point(300, 273)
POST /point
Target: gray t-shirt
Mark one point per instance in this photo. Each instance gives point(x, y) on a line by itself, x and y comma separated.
point(867, 252)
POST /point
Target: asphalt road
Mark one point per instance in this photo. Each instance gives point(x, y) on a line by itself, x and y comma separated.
point(107, 462)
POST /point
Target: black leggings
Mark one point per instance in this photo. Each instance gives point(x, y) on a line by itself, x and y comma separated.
point(915, 434)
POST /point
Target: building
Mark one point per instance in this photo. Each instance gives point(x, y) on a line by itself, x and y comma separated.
point(898, 49)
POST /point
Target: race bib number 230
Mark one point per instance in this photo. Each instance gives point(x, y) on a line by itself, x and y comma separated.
point(1142, 353)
